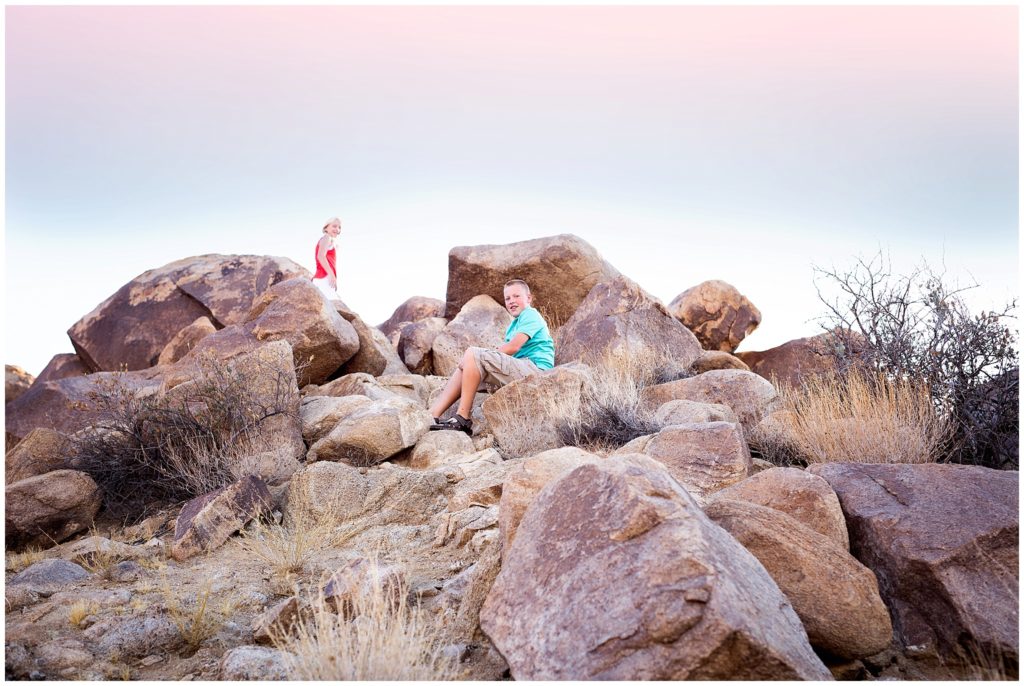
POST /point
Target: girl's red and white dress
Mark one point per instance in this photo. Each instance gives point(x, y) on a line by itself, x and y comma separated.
point(321, 278)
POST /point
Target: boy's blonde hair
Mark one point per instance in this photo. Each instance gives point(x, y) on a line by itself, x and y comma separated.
point(519, 282)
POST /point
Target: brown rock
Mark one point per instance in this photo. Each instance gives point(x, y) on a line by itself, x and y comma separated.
point(835, 596)
point(416, 342)
point(711, 360)
point(943, 542)
point(50, 508)
point(690, 412)
point(208, 521)
point(279, 620)
point(254, 663)
point(373, 433)
point(527, 478)
point(16, 382)
point(719, 315)
point(525, 415)
point(414, 309)
point(133, 326)
point(481, 322)
point(363, 578)
point(794, 360)
point(296, 311)
point(321, 413)
point(67, 405)
point(438, 448)
point(411, 386)
point(615, 573)
point(42, 451)
point(359, 383)
point(62, 366)
point(185, 340)
point(748, 395)
point(804, 496)
point(560, 270)
point(376, 356)
point(703, 458)
point(619, 318)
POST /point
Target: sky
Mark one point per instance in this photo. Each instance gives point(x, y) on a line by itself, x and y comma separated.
point(686, 143)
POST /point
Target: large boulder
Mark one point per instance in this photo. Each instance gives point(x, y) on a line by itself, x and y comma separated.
point(185, 340)
point(480, 322)
point(711, 360)
point(50, 508)
point(794, 360)
point(16, 382)
point(526, 479)
point(296, 311)
point(747, 394)
point(46, 577)
point(560, 270)
point(416, 343)
point(618, 318)
point(62, 366)
point(439, 448)
point(835, 596)
point(321, 413)
point(804, 496)
point(42, 451)
point(718, 314)
point(525, 416)
point(255, 663)
point(376, 356)
point(414, 309)
point(703, 458)
point(615, 573)
point(358, 383)
point(208, 521)
point(373, 433)
point(375, 497)
point(943, 541)
point(691, 412)
point(130, 328)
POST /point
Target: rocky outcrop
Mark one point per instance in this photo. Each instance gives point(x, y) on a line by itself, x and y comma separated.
point(525, 415)
point(42, 451)
point(185, 340)
point(618, 318)
point(794, 360)
point(62, 366)
point(747, 394)
point(50, 508)
point(711, 360)
point(373, 433)
point(835, 596)
point(704, 457)
point(804, 496)
point(691, 412)
point(526, 479)
point(480, 322)
point(412, 310)
point(943, 542)
point(615, 573)
point(296, 311)
point(16, 382)
point(718, 314)
point(416, 342)
point(560, 270)
point(375, 356)
point(46, 577)
point(133, 326)
point(208, 521)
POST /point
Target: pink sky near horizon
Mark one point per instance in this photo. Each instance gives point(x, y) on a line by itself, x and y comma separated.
point(808, 130)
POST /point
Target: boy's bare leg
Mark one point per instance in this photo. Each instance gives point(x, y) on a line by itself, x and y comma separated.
point(449, 395)
point(470, 382)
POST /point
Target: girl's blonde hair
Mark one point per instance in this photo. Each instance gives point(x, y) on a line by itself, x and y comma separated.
point(331, 221)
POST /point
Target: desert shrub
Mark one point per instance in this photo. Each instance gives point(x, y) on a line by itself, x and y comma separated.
point(197, 618)
point(611, 411)
point(16, 562)
point(152, 448)
point(81, 609)
point(859, 416)
point(919, 327)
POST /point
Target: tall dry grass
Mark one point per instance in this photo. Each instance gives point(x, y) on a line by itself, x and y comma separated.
point(860, 416)
point(382, 638)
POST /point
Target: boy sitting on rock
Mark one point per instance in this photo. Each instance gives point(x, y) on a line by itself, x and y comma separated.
point(528, 349)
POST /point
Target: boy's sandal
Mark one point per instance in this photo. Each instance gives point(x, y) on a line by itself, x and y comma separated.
point(456, 423)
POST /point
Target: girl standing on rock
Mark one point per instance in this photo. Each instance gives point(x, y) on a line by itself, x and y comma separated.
point(326, 277)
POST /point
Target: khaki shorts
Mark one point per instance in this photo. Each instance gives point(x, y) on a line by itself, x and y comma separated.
point(498, 369)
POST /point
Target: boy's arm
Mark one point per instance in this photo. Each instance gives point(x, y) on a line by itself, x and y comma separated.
point(513, 346)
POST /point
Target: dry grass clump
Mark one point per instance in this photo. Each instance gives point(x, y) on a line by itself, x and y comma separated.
point(81, 609)
point(859, 416)
point(197, 618)
point(16, 562)
point(381, 639)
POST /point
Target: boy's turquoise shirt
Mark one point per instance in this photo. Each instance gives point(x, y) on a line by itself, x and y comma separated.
point(540, 348)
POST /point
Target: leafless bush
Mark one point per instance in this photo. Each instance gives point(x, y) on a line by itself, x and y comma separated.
point(172, 445)
point(918, 327)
